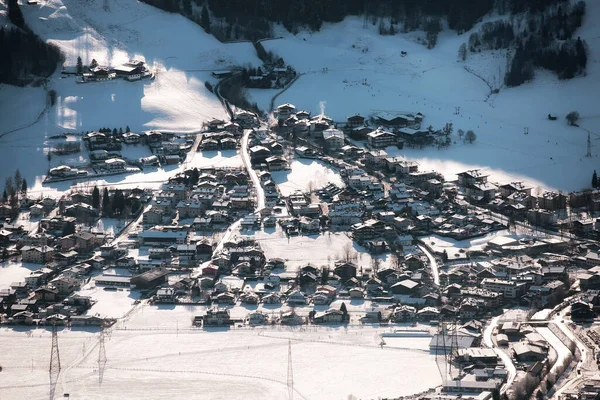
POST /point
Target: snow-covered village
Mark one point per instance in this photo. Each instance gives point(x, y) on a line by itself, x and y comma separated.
point(358, 200)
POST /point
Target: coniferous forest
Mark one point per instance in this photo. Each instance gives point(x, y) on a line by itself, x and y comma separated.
point(24, 55)
point(539, 33)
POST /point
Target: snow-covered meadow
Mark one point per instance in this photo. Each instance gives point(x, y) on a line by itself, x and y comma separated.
point(250, 363)
point(305, 173)
point(351, 70)
point(177, 100)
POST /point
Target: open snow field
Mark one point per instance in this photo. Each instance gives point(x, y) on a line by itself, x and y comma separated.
point(305, 173)
point(365, 73)
point(317, 249)
point(15, 272)
point(248, 363)
point(176, 100)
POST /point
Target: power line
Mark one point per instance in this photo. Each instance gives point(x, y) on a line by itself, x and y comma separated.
point(101, 358)
point(54, 354)
point(290, 372)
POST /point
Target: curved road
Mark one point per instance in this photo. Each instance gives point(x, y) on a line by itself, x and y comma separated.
point(434, 266)
point(510, 367)
point(260, 193)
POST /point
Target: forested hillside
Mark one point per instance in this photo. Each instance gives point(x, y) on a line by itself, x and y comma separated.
point(24, 55)
point(538, 33)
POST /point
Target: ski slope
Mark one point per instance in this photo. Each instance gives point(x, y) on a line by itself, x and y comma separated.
point(352, 69)
point(180, 53)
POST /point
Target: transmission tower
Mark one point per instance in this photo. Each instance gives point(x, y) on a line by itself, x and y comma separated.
point(54, 355)
point(589, 146)
point(441, 356)
point(453, 347)
point(290, 372)
point(101, 358)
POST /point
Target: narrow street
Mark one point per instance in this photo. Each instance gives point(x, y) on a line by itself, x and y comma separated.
point(260, 193)
point(489, 342)
point(433, 263)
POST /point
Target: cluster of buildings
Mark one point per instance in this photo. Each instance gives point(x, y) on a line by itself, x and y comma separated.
point(210, 197)
point(133, 70)
point(220, 135)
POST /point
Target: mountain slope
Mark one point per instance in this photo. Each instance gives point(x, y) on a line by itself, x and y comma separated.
point(365, 72)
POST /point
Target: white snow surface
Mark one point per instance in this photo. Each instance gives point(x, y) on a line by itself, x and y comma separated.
point(156, 352)
point(304, 173)
point(366, 73)
point(180, 53)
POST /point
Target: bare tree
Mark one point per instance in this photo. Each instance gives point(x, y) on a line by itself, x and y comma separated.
point(460, 133)
point(375, 263)
point(470, 136)
point(572, 118)
point(310, 187)
point(395, 261)
point(348, 253)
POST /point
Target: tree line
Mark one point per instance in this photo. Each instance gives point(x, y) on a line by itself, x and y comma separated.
point(540, 36)
point(13, 188)
point(24, 55)
point(253, 19)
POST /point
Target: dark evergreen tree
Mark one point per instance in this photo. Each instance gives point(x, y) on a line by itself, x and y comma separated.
point(594, 180)
point(79, 66)
point(25, 56)
point(120, 131)
point(9, 186)
point(344, 310)
point(115, 132)
point(581, 53)
point(127, 130)
point(18, 180)
point(105, 202)
point(186, 7)
point(96, 197)
point(24, 187)
point(205, 19)
point(15, 15)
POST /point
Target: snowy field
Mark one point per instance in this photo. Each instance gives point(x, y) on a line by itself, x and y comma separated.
point(366, 73)
point(305, 173)
point(317, 249)
point(247, 363)
point(176, 100)
point(15, 272)
point(453, 247)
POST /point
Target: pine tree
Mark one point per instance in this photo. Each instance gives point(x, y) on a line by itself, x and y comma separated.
point(79, 66)
point(120, 131)
point(127, 130)
point(594, 180)
point(96, 197)
point(187, 7)
point(105, 201)
point(115, 132)
point(24, 187)
point(94, 63)
point(18, 180)
point(344, 311)
point(205, 19)
point(4, 196)
point(9, 187)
